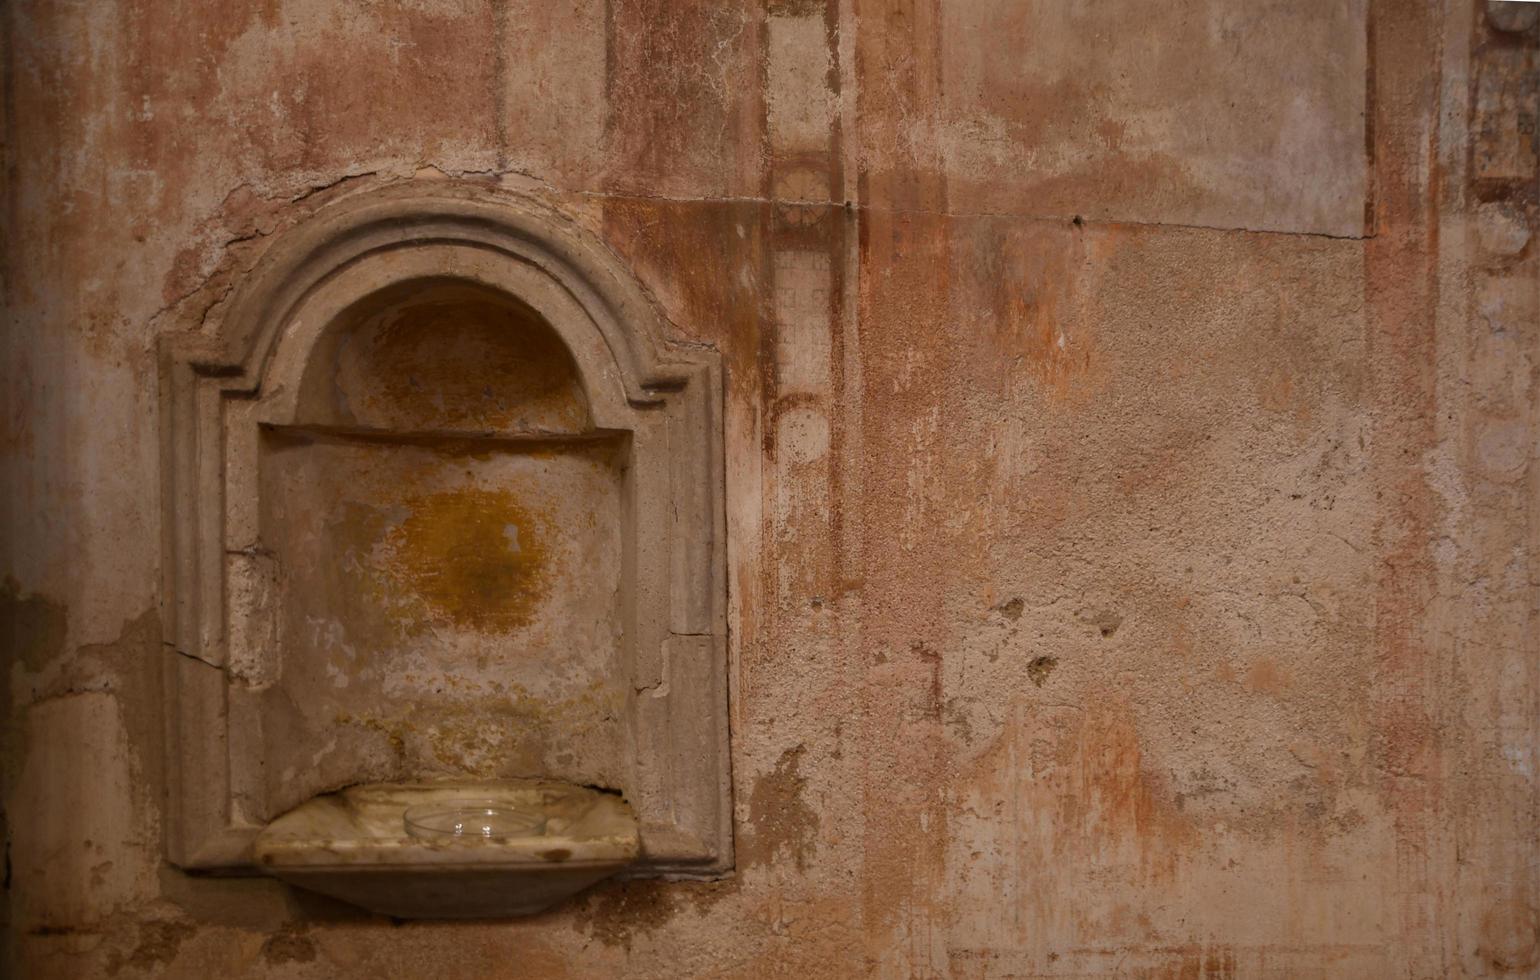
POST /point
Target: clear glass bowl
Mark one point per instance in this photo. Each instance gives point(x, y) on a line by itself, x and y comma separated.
point(473, 819)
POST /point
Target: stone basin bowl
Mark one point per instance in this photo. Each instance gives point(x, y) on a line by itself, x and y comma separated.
point(355, 845)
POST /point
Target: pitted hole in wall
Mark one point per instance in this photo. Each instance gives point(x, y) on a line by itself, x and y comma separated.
point(1039, 669)
point(1012, 608)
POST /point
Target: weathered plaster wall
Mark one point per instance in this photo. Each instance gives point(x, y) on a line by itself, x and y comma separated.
point(1132, 486)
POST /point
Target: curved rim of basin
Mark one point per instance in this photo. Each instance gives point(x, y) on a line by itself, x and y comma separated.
point(362, 828)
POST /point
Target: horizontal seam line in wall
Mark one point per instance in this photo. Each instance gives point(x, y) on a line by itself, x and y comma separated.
point(1046, 219)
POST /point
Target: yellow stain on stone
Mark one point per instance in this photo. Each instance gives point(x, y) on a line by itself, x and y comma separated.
point(471, 558)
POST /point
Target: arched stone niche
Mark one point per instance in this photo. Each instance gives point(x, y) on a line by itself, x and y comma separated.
point(442, 502)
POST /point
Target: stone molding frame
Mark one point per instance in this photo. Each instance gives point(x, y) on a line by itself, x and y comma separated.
point(218, 386)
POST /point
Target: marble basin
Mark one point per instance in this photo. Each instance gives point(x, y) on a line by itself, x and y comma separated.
point(544, 842)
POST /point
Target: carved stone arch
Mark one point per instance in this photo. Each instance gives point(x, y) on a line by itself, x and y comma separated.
point(246, 376)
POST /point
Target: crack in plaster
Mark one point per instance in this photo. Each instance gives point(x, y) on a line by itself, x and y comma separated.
point(192, 656)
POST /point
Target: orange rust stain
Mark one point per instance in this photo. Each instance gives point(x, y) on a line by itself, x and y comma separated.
point(1030, 288)
point(1121, 797)
point(1088, 768)
point(707, 265)
point(1193, 962)
point(1036, 318)
point(674, 75)
point(472, 558)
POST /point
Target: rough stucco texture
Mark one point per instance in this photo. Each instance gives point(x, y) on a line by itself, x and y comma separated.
point(1131, 438)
